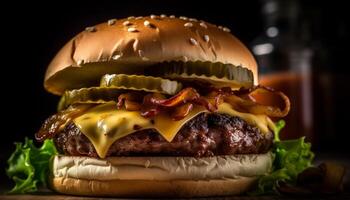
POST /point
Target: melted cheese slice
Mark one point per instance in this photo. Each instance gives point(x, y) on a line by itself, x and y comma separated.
point(104, 124)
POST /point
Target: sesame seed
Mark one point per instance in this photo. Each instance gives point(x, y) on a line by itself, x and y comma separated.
point(127, 23)
point(131, 17)
point(146, 23)
point(155, 17)
point(188, 24)
point(226, 29)
point(192, 20)
point(111, 22)
point(90, 29)
point(162, 16)
point(202, 24)
point(193, 41)
point(206, 38)
point(172, 16)
point(140, 17)
point(80, 62)
point(132, 29)
point(220, 27)
point(183, 18)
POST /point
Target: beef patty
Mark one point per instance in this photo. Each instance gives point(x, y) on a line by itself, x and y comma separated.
point(208, 134)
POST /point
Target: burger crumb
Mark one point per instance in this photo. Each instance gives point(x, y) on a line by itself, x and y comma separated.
point(111, 22)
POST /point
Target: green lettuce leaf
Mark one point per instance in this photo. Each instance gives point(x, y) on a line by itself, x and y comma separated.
point(29, 165)
point(291, 158)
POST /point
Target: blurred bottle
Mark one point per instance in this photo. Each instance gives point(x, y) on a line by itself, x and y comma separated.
point(285, 63)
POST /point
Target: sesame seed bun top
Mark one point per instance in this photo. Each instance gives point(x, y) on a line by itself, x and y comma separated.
point(130, 45)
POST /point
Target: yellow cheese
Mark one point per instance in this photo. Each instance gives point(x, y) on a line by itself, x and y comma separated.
point(104, 124)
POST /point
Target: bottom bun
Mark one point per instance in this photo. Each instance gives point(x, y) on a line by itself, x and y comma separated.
point(158, 176)
point(152, 188)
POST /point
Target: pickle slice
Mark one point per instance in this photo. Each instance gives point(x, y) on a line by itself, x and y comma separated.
point(139, 82)
point(88, 95)
point(114, 85)
point(215, 73)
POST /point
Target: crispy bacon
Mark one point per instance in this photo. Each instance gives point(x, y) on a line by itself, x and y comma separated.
point(215, 98)
point(147, 108)
point(150, 111)
point(129, 101)
point(207, 103)
point(132, 105)
point(182, 103)
point(185, 95)
point(181, 112)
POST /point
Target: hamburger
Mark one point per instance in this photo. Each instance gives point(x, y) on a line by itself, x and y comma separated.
point(157, 106)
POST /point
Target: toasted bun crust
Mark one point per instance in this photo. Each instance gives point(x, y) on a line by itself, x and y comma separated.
point(158, 176)
point(129, 45)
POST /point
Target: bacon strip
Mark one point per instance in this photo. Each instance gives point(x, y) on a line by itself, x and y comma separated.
point(129, 100)
point(207, 103)
point(150, 111)
point(181, 112)
point(182, 102)
point(185, 95)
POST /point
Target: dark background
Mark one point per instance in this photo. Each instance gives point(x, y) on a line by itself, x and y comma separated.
point(32, 33)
